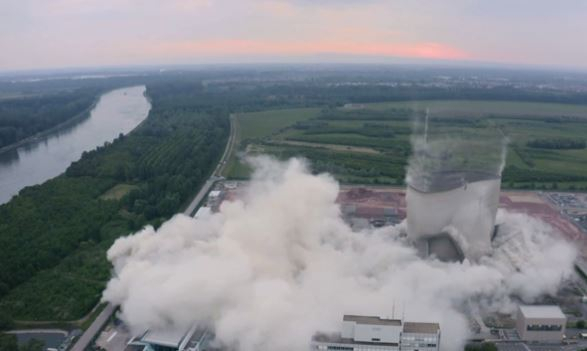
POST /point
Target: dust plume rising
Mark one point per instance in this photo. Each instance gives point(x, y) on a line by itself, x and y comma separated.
point(272, 268)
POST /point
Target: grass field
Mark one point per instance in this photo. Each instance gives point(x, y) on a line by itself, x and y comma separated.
point(479, 108)
point(370, 143)
point(255, 126)
point(117, 191)
point(258, 125)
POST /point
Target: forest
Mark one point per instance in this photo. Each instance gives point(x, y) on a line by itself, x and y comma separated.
point(54, 236)
point(22, 117)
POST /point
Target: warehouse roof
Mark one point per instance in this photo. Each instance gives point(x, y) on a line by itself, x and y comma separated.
point(371, 320)
point(169, 338)
point(412, 327)
point(337, 339)
point(542, 311)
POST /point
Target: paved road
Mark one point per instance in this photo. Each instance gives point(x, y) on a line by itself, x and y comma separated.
point(229, 146)
point(200, 196)
point(217, 174)
point(87, 337)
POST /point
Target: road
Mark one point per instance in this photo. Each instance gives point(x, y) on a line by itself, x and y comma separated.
point(89, 335)
point(217, 174)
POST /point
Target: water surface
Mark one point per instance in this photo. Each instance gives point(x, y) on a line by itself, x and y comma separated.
point(118, 111)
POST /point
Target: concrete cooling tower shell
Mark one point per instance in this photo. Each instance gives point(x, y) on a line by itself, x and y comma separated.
point(453, 208)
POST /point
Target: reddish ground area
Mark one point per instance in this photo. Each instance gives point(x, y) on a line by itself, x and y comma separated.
point(371, 202)
point(376, 202)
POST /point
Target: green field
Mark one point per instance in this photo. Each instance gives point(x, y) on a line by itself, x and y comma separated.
point(255, 126)
point(480, 108)
point(118, 191)
point(370, 143)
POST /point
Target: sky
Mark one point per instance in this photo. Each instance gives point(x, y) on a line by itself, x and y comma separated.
point(40, 34)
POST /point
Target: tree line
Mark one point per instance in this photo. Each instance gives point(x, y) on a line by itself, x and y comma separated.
point(557, 144)
point(23, 117)
point(54, 236)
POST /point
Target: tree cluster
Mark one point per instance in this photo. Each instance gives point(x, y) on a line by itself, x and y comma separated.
point(53, 237)
point(557, 144)
point(26, 116)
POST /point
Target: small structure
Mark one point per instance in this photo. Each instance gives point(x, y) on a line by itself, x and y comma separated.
point(364, 333)
point(203, 212)
point(215, 198)
point(542, 323)
point(194, 339)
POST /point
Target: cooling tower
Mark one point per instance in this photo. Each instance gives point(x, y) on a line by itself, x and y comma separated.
point(454, 180)
point(452, 215)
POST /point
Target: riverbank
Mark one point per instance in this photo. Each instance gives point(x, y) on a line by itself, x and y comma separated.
point(166, 157)
point(115, 112)
point(80, 117)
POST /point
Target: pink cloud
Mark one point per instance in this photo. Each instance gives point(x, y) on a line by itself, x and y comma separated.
point(430, 50)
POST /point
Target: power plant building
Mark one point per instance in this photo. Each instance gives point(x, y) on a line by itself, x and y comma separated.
point(365, 333)
point(541, 323)
point(452, 196)
point(194, 339)
point(452, 214)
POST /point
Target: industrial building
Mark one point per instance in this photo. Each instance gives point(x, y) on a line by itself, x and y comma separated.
point(194, 339)
point(452, 214)
point(541, 323)
point(365, 333)
point(453, 194)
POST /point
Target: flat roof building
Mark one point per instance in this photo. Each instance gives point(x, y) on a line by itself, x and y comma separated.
point(368, 333)
point(193, 339)
point(541, 323)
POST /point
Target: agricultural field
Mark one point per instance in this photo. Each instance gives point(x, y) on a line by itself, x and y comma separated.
point(370, 143)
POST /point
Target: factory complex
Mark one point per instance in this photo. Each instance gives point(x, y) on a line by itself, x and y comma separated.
point(367, 333)
point(451, 216)
point(536, 325)
point(194, 339)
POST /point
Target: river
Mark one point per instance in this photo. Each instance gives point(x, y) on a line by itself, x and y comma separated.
point(118, 111)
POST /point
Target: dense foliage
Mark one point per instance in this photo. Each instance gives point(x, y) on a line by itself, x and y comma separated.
point(23, 117)
point(557, 144)
point(53, 237)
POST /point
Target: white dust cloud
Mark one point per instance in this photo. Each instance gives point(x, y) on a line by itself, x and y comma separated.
point(271, 269)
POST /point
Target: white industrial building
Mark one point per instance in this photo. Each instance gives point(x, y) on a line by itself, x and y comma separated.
point(541, 323)
point(194, 339)
point(364, 333)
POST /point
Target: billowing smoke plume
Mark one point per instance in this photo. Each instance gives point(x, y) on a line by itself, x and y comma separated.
point(271, 269)
point(440, 147)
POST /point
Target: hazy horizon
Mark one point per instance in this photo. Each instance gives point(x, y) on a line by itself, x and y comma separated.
point(37, 34)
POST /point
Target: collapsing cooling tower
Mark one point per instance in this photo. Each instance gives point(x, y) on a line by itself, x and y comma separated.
point(453, 194)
